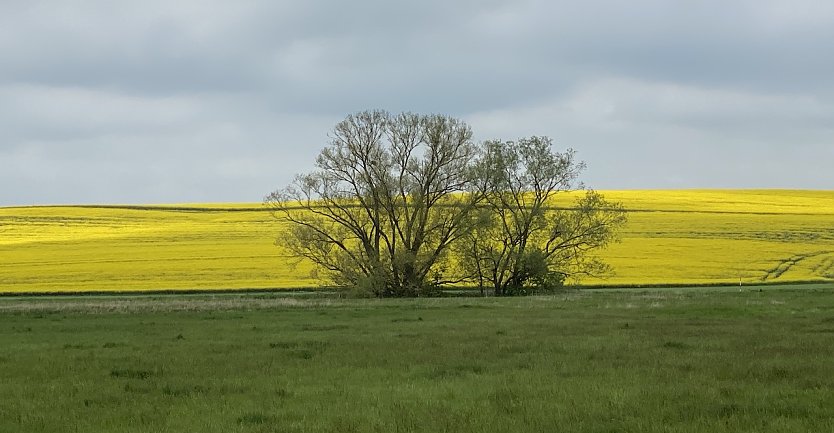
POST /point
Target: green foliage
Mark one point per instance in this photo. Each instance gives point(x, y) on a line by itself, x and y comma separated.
point(523, 243)
point(392, 195)
point(389, 195)
point(366, 286)
point(536, 275)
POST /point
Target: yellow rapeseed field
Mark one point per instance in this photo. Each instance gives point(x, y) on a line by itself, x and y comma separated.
point(708, 237)
point(673, 237)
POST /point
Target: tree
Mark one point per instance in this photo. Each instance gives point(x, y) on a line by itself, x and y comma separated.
point(389, 195)
point(524, 242)
point(393, 196)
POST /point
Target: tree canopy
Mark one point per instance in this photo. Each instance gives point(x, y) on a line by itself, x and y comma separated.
point(526, 242)
point(400, 204)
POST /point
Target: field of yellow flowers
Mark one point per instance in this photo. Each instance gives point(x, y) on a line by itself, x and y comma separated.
point(672, 237)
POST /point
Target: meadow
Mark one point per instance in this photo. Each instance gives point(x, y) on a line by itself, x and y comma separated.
point(673, 237)
point(755, 359)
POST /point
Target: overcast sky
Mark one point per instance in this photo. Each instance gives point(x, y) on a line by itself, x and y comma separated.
point(160, 101)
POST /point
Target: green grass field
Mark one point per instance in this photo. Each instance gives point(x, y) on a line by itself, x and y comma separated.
point(688, 360)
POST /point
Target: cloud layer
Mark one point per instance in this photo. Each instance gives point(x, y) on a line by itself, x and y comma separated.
point(186, 101)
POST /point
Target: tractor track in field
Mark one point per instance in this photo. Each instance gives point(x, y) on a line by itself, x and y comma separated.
point(825, 267)
point(788, 263)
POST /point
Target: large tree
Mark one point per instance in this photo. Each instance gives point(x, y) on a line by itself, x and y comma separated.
point(388, 196)
point(526, 241)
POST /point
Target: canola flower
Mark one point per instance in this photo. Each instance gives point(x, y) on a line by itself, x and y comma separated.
point(672, 237)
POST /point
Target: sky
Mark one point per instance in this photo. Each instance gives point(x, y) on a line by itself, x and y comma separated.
point(188, 101)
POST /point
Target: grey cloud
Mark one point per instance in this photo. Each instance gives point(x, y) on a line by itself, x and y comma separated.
point(190, 100)
point(655, 135)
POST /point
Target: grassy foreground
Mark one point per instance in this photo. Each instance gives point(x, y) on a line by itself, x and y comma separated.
point(692, 360)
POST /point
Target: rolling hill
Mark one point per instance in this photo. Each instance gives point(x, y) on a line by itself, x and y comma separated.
point(673, 237)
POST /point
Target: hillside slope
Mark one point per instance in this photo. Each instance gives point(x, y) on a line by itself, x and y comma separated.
point(673, 237)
